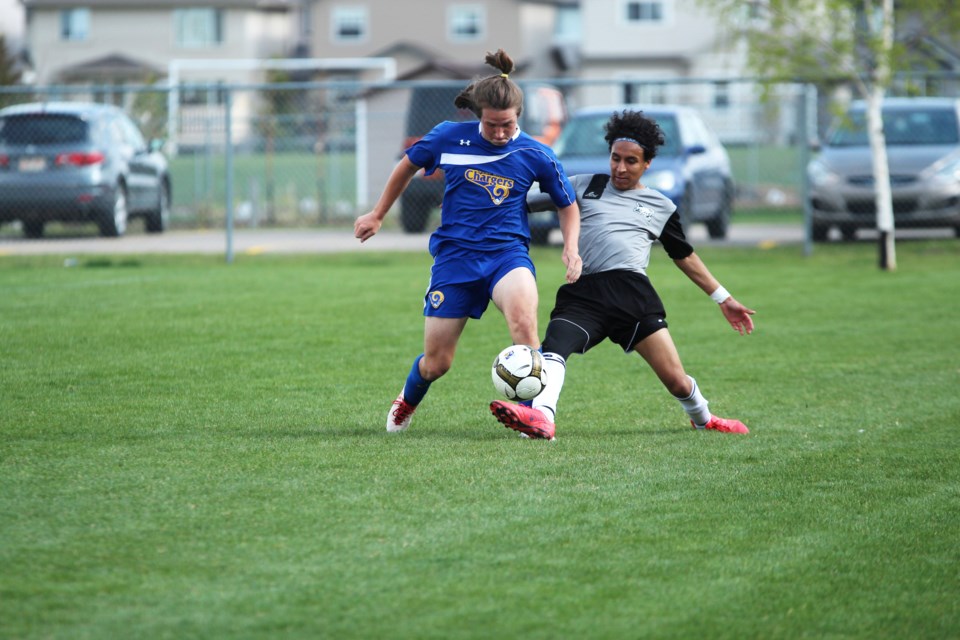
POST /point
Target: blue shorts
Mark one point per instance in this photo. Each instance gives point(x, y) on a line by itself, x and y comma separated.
point(462, 280)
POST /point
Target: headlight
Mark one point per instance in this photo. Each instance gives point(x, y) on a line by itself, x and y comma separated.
point(664, 181)
point(820, 175)
point(949, 172)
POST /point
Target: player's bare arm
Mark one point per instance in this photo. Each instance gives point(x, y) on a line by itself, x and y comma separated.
point(367, 225)
point(570, 228)
point(736, 314)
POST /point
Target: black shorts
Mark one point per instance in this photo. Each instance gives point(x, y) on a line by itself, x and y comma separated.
point(620, 305)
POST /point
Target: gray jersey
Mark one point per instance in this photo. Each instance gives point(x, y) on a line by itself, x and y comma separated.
point(617, 228)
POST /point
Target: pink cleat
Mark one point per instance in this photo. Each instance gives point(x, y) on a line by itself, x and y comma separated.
point(401, 413)
point(527, 421)
point(724, 425)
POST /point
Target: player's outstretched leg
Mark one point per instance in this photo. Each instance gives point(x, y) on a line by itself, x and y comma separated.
point(527, 421)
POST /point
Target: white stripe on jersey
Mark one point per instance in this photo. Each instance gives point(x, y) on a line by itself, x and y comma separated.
point(465, 158)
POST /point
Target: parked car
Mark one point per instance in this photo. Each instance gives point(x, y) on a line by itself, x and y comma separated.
point(692, 168)
point(79, 162)
point(543, 117)
point(923, 153)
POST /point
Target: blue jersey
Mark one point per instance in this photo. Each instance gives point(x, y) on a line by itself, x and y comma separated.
point(484, 201)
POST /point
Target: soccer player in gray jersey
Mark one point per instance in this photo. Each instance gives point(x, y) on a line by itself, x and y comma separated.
point(620, 219)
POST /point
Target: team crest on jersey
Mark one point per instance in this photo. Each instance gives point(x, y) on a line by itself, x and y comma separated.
point(497, 186)
point(436, 299)
point(646, 212)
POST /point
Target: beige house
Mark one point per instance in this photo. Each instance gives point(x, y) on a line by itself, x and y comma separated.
point(106, 44)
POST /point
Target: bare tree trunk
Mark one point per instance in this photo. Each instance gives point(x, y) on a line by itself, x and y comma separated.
point(878, 143)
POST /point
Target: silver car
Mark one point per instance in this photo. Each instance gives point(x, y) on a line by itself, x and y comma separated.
point(923, 149)
point(79, 162)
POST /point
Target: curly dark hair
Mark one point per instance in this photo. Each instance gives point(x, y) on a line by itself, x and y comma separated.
point(636, 126)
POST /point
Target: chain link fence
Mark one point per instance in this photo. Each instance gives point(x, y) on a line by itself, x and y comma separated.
point(303, 154)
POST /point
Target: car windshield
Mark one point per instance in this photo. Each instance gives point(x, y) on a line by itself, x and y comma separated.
point(900, 127)
point(583, 137)
point(42, 129)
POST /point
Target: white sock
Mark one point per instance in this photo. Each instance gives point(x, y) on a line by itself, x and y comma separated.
point(695, 405)
point(556, 368)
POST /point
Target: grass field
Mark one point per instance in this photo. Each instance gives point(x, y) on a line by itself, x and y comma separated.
point(197, 450)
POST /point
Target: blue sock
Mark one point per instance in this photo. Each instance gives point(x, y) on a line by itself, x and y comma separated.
point(415, 387)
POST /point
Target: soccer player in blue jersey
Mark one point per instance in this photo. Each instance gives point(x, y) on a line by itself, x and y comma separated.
point(481, 249)
point(620, 219)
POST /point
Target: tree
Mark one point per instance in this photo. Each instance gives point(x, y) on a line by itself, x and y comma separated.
point(9, 73)
point(826, 42)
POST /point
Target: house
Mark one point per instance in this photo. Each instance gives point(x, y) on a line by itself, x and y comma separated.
point(108, 44)
point(429, 40)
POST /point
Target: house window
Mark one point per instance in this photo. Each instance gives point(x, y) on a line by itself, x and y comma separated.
point(467, 22)
point(647, 92)
point(721, 95)
point(75, 24)
point(568, 26)
point(196, 28)
point(199, 93)
point(350, 24)
point(645, 12)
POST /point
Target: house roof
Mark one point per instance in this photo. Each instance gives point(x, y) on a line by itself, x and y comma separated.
point(432, 62)
point(146, 4)
point(112, 67)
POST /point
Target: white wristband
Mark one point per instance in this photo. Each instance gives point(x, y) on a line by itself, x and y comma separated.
point(720, 295)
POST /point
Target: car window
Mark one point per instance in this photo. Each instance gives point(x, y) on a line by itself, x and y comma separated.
point(131, 134)
point(673, 143)
point(430, 106)
point(584, 136)
point(900, 127)
point(42, 129)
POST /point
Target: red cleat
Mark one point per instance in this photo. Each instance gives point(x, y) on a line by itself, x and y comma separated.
point(530, 422)
point(724, 425)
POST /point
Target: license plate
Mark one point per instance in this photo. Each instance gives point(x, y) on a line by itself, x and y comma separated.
point(32, 164)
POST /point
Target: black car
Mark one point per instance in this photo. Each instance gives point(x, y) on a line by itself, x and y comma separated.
point(79, 162)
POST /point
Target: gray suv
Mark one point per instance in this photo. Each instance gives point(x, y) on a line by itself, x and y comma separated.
point(79, 162)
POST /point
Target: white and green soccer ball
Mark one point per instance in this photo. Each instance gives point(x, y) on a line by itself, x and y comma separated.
point(518, 373)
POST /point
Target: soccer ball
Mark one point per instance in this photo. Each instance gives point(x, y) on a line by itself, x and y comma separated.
point(518, 373)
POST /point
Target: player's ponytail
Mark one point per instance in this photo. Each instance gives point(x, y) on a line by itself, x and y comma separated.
point(493, 92)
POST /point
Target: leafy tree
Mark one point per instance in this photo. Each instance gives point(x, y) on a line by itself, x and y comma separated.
point(829, 42)
point(9, 74)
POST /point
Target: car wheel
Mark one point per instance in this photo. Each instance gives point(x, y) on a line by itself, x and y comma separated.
point(159, 219)
point(33, 228)
point(414, 213)
point(718, 225)
point(820, 232)
point(113, 222)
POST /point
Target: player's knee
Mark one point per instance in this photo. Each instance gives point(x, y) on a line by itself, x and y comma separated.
point(677, 383)
point(565, 338)
point(433, 368)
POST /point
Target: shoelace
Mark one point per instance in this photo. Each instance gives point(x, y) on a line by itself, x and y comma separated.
point(402, 412)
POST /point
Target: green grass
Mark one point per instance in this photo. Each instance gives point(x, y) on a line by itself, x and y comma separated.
point(190, 449)
point(779, 166)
